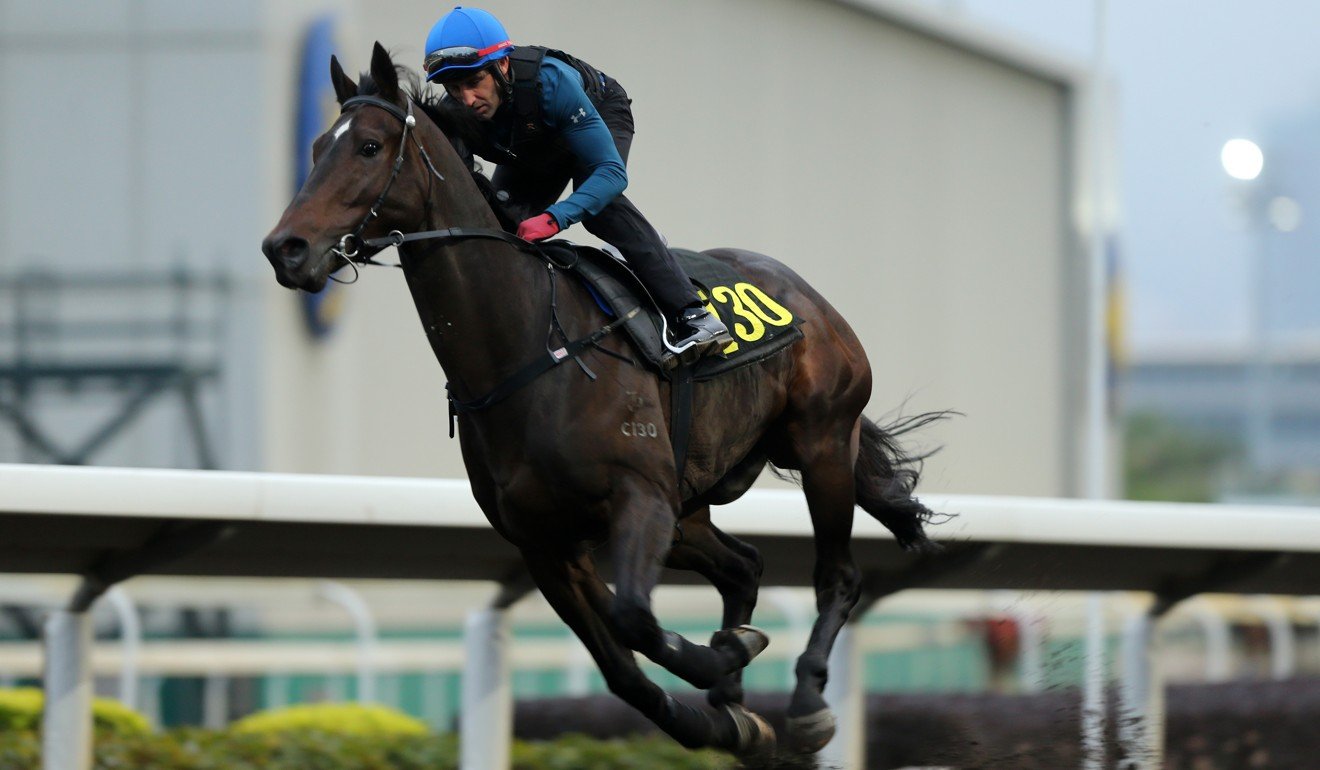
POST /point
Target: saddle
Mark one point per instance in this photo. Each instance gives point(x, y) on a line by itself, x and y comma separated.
point(760, 326)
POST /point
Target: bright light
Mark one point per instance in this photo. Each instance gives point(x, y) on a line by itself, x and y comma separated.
point(1242, 159)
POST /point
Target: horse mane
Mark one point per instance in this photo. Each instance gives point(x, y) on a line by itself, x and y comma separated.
point(459, 126)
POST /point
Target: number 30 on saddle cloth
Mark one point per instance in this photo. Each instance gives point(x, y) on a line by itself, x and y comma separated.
point(760, 325)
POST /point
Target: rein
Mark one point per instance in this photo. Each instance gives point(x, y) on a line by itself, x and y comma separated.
point(351, 256)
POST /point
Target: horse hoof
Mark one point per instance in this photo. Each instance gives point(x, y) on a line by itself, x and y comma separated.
point(809, 734)
point(755, 737)
point(746, 640)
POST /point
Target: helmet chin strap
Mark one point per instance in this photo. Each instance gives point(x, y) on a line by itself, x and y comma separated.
point(506, 85)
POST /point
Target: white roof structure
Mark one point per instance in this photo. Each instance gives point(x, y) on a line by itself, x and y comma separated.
point(78, 520)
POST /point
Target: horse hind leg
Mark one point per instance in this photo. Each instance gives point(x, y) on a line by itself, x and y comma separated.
point(827, 480)
point(574, 589)
point(734, 569)
point(862, 466)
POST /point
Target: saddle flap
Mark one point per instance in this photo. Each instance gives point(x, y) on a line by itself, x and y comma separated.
point(760, 326)
point(618, 291)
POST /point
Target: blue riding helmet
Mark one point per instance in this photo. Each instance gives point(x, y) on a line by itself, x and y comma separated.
point(464, 40)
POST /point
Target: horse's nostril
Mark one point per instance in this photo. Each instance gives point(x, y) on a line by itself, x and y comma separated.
point(293, 247)
point(286, 248)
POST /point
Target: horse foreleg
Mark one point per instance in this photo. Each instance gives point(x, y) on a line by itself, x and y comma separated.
point(734, 569)
point(641, 536)
point(828, 483)
point(576, 592)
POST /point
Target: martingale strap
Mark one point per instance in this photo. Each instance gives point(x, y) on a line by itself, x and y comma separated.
point(531, 371)
point(535, 368)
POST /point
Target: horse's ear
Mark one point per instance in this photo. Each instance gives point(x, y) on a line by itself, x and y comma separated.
point(384, 73)
point(345, 88)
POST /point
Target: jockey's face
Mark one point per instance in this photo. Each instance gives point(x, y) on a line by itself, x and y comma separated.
point(479, 92)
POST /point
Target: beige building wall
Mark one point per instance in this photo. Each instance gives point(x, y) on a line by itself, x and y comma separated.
point(923, 185)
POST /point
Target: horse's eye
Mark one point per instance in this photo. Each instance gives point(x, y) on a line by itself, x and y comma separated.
point(369, 149)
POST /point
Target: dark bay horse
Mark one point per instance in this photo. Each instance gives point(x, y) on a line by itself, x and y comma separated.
point(549, 464)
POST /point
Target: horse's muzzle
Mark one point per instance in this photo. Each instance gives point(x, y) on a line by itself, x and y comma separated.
point(288, 255)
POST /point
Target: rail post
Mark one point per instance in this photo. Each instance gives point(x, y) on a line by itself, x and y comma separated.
point(846, 693)
point(487, 722)
point(66, 734)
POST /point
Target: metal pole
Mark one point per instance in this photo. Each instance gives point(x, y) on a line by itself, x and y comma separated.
point(215, 701)
point(1093, 688)
point(1218, 644)
point(1155, 710)
point(1097, 417)
point(130, 630)
point(797, 610)
point(365, 628)
point(845, 692)
point(1283, 647)
point(487, 722)
point(1096, 454)
point(66, 731)
point(1141, 732)
point(150, 694)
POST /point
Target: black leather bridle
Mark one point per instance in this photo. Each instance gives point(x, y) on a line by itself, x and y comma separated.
point(349, 247)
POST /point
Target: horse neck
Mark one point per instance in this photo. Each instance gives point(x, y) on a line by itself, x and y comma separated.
point(483, 304)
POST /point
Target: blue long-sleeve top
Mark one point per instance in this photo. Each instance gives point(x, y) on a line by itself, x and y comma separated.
point(566, 110)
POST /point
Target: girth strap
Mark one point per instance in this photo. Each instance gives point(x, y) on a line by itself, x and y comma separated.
point(531, 371)
point(680, 414)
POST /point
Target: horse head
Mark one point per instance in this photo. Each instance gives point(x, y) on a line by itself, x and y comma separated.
point(365, 180)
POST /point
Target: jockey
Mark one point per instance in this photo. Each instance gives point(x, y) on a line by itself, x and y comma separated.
point(548, 118)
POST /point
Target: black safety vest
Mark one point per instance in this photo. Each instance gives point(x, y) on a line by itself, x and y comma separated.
point(530, 135)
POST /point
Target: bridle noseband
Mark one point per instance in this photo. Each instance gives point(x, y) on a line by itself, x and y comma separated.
point(347, 249)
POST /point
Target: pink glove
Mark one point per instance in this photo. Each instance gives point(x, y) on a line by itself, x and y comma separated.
point(538, 228)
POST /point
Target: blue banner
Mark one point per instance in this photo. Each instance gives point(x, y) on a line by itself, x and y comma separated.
point(317, 109)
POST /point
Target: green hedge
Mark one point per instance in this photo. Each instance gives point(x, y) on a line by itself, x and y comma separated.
point(192, 749)
point(319, 737)
point(337, 718)
point(20, 709)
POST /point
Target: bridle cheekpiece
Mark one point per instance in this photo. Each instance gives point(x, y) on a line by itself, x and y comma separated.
point(348, 247)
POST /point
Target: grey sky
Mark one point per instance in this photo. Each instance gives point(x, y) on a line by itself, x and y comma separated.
point(1191, 75)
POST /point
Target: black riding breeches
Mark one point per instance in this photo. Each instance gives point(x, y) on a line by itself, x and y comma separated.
point(619, 224)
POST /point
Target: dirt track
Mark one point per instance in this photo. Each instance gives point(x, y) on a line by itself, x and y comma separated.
point(1272, 725)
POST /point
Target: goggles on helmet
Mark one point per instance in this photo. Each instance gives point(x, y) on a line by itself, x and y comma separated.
point(459, 56)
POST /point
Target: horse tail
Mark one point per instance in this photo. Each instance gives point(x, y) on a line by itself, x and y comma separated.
point(886, 475)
